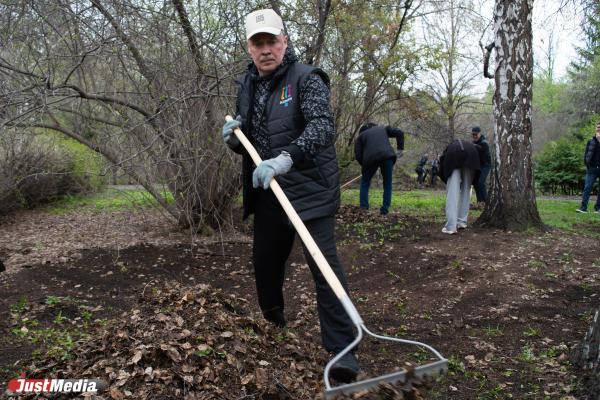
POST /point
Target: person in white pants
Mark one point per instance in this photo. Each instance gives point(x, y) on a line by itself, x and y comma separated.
point(458, 196)
point(460, 166)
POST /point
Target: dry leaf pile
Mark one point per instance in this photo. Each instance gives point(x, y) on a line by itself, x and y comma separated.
point(196, 343)
point(386, 391)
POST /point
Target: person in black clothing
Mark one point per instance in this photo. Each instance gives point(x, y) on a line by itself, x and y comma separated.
point(459, 167)
point(486, 165)
point(373, 151)
point(435, 166)
point(591, 158)
point(283, 107)
point(421, 171)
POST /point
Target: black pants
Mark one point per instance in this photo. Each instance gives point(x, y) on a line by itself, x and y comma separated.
point(273, 240)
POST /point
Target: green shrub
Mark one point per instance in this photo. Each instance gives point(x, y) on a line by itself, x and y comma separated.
point(37, 169)
point(87, 165)
point(559, 167)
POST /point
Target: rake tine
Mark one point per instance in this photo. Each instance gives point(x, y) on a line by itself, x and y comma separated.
point(404, 376)
point(429, 370)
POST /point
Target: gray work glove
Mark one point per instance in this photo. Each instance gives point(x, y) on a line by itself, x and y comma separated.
point(228, 136)
point(270, 168)
point(399, 153)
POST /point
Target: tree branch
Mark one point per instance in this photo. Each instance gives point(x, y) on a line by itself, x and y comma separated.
point(487, 51)
point(144, 70)
point(93, 118)
point(112, 100)
point(184, 21)
point(79, 63)
point(314, 54)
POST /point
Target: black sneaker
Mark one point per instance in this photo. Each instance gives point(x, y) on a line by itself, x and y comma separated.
point(345, 369)
point(581, 210)
point(275, 317)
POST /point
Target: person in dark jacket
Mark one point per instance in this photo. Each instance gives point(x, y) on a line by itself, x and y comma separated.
point(486, 165)
point(373, 151)
point(434, 170)
point(283, 107)
point(421, 171)
point(460, 166)
point(591, 158)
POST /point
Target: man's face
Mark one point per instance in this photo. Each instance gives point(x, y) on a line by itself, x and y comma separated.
point(267, 51)
point(598, 131)
point(475, 136)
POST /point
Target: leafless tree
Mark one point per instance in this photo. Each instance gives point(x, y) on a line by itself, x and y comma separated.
point(451, 26)
point(146, 84)
point(371, 58)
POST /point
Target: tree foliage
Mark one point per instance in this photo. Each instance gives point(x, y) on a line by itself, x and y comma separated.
point(585, 72)
point(559, 168)
point(591, 29)
point(547, 94)
point(371, 56)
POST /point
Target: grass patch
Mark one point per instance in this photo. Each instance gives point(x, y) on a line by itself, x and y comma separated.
point(532, 332)
point(561, 214)
point(527, 354)
point(536, 264)
point(492, 330)
point(424, 203)
point(107, 200)
point(55, 338)
point(421, 203)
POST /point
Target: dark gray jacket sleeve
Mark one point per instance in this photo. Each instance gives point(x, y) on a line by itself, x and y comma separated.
point(398, 134)
point(590, 147)
point(319, 132)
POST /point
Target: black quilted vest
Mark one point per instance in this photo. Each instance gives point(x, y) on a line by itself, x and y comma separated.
point(312, 184)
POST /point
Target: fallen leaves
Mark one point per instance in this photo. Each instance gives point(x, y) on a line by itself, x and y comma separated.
point(166, 348)
point(64, 236)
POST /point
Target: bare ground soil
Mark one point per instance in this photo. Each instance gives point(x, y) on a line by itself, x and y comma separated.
point(505, 308)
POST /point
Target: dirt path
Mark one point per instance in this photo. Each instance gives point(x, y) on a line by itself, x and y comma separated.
point(505, 308)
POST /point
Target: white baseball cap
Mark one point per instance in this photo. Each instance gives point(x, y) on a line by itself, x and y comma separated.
point(265, 20)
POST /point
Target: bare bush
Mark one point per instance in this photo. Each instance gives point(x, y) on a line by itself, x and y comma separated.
point(144, 84)
point(33, 172)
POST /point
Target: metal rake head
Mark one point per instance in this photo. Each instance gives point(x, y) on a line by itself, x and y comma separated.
point(406, 377)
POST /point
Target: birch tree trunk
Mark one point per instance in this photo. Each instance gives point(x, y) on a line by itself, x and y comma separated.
point(512, 203)
point(587, 357)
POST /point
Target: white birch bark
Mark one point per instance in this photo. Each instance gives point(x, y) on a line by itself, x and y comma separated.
point(512, 203)
point(587, 357)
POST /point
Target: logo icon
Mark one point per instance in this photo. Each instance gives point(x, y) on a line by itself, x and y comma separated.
point(24, 385)
point(286, 95)
point(260, 18)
